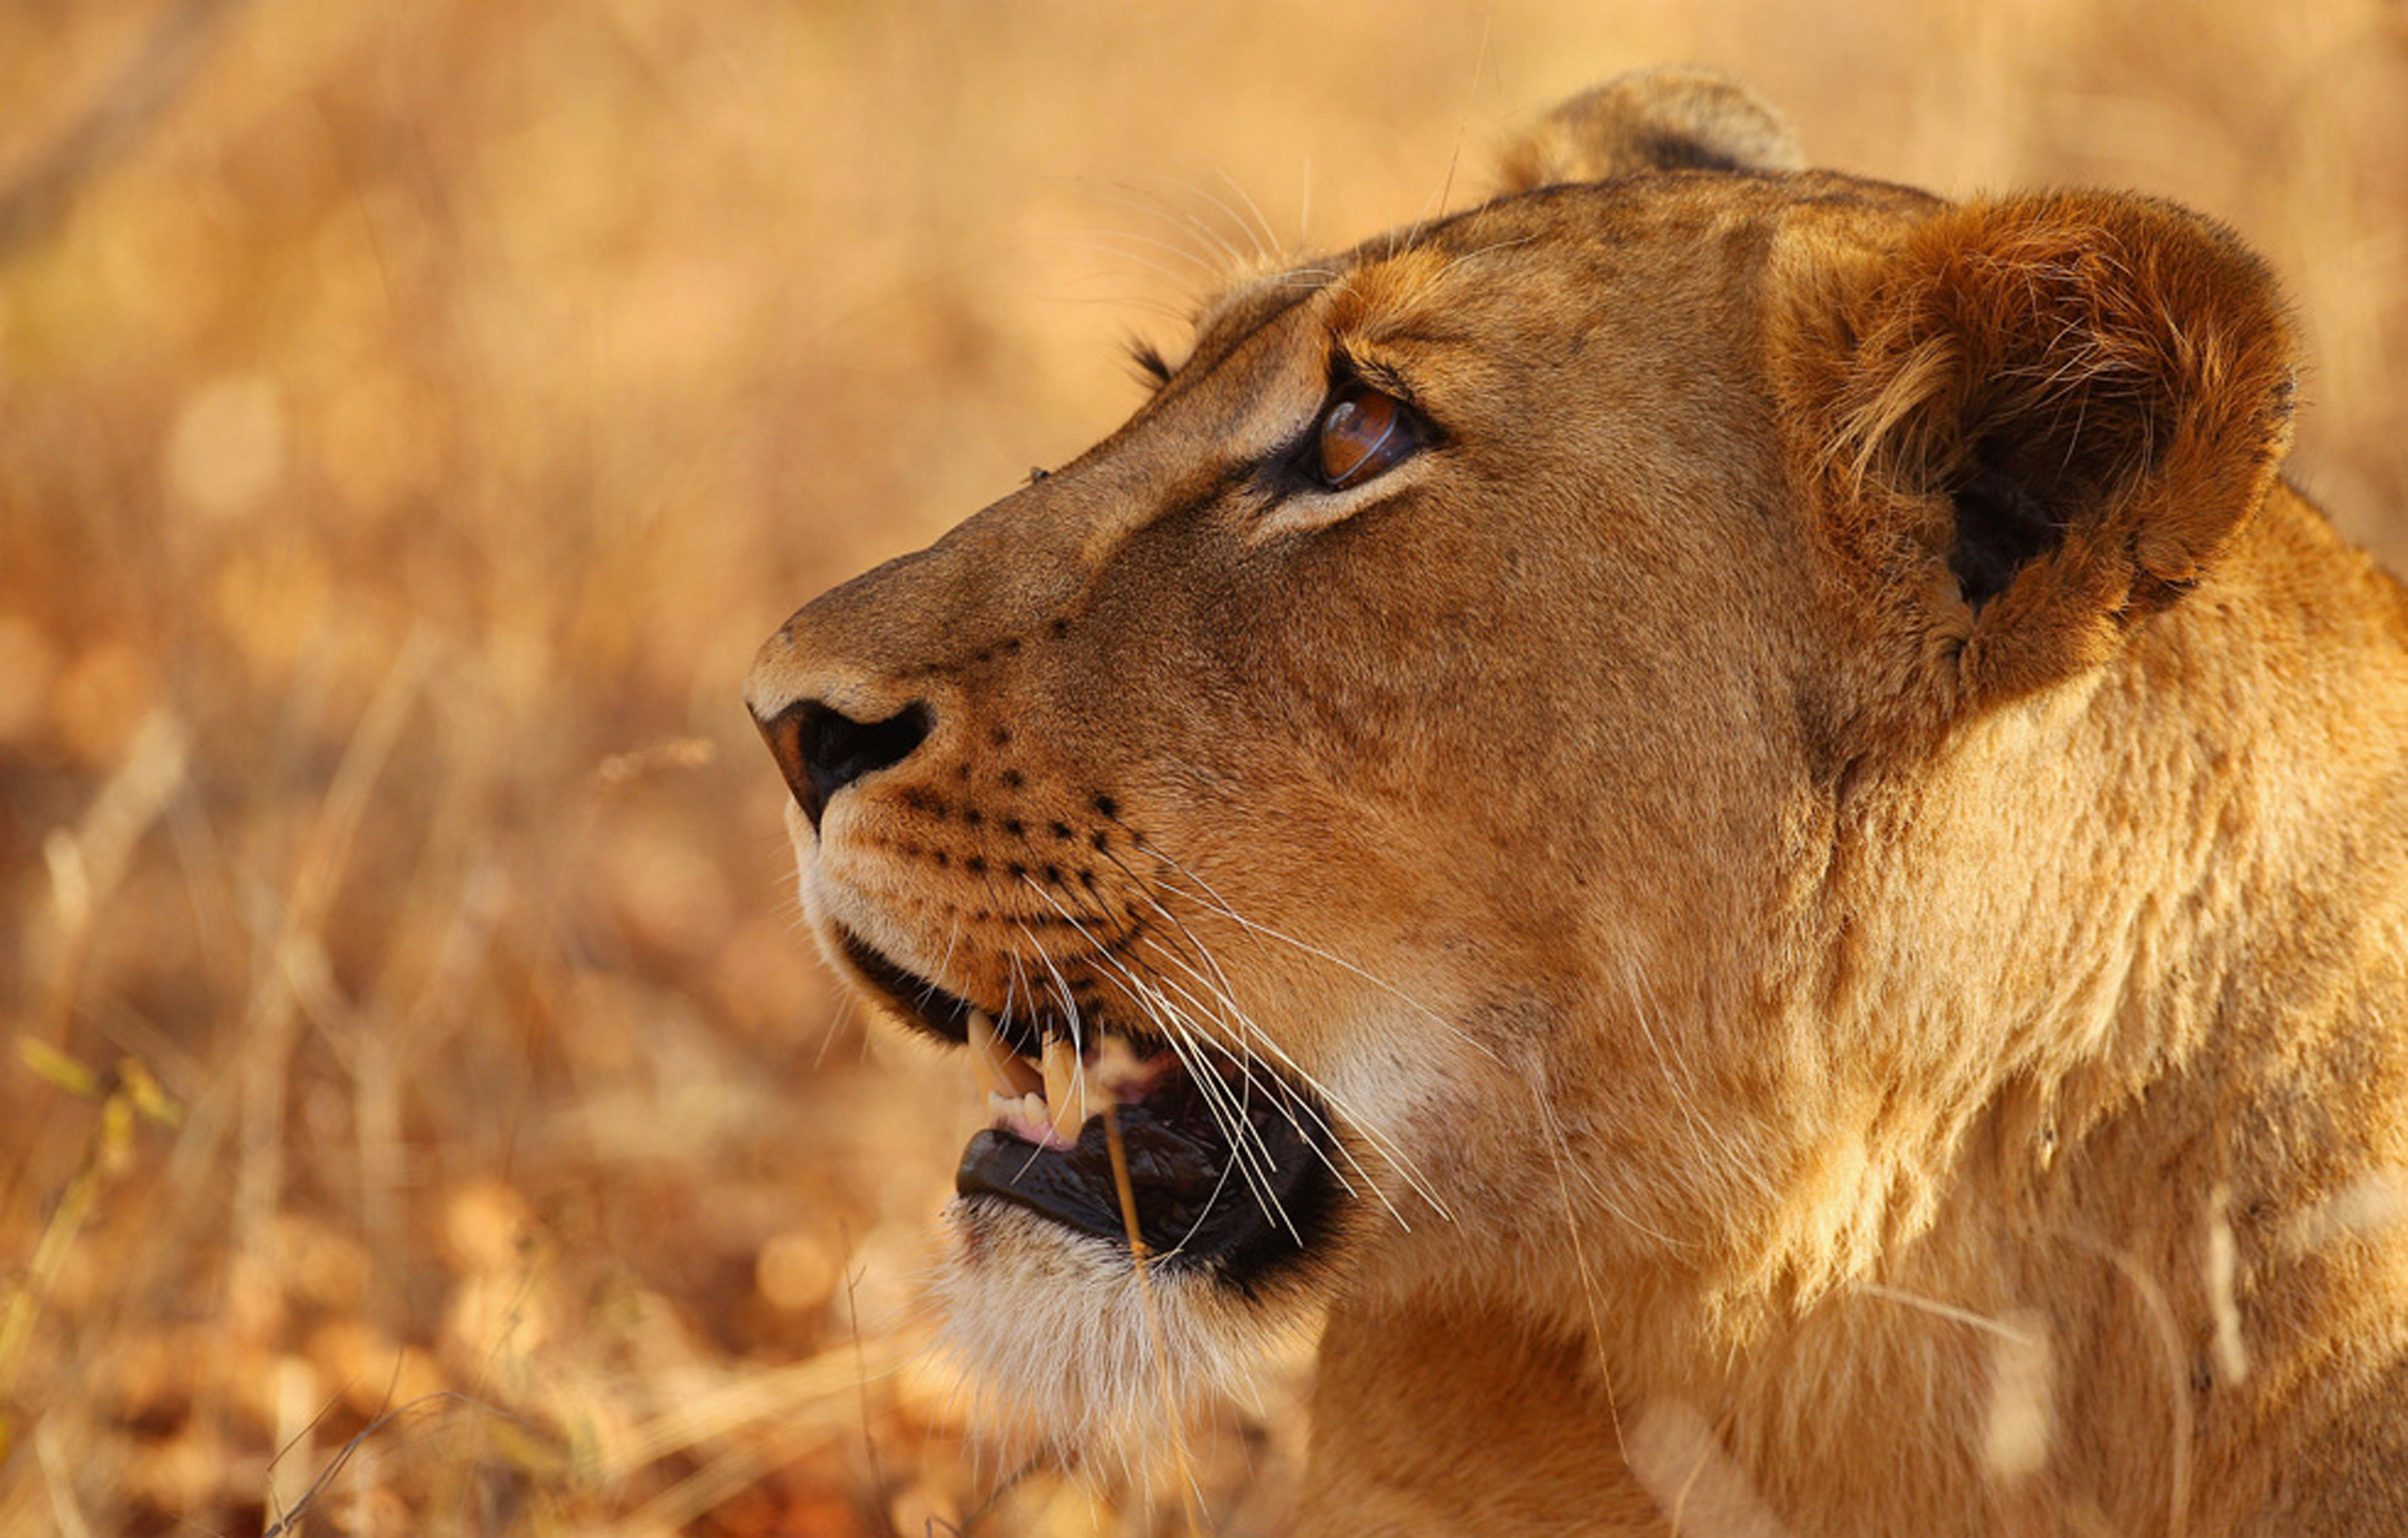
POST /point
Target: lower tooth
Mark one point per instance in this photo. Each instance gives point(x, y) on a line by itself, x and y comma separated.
point(1030, 1111)
point(1066, 1123)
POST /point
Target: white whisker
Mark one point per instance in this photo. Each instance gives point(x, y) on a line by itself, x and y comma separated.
point(1244, 1143)
point(1239, 1020)
point(1268, 240)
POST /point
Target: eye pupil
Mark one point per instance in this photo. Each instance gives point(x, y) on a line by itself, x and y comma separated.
point(1362, 436)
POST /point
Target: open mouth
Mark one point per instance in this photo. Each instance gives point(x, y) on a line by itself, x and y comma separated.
point(1223, 1164)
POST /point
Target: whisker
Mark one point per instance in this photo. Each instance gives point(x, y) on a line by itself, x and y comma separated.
point(1268, 243)
point(1234, 257)
point(1061, 984)
point(1288, 1109)
point(1381, 1142)
point(1146, 202)
point(1560, 1151)
point(1554, 1130)
point(1214, 272)
point(1262, 253)
point(1702, 1132)
point(1220, 905)
point(1477, 251)
point(1169, 275)
point(1225, 1111)
point(845, 1006)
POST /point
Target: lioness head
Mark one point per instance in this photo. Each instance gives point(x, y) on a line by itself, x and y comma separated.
point(1460, 797)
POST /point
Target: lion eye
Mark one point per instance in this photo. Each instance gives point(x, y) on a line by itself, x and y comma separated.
point(1365, 434)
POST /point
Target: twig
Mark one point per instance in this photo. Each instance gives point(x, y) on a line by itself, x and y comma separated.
point(287, 1523)
point(861, 1375)
point(1140, 1256)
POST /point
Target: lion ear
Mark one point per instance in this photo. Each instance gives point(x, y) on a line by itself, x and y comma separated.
point(2059, 408)
point(1651, 119)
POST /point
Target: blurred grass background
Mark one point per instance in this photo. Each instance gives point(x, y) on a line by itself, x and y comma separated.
point(411, 418)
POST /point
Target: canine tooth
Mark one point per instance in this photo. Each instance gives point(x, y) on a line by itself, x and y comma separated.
point(1057, 1070)
point(1000, 1071)
point(987, 1056)
point(1066, 1089)
point(1024, 1078)
point(1067, 1121)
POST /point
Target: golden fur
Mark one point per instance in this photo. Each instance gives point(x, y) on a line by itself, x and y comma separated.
point(1836, 846)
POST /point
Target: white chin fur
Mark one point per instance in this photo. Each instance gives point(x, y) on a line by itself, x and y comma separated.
point(1066, 1351)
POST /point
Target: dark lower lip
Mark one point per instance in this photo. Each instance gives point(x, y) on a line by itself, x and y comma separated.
point(920, 1002)
point(1199, 1206)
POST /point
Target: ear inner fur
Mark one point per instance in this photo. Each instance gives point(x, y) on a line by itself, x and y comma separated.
point(2051, 412)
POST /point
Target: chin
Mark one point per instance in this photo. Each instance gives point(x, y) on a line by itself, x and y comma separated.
point(1075, 1351)
point(1145, 1214)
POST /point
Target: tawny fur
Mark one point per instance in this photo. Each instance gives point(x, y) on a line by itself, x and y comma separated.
point(1838, 845)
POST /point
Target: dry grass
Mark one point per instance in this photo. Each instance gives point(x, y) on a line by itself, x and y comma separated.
point(406, 433)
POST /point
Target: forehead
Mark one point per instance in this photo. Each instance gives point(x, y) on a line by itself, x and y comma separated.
point(1553, 251)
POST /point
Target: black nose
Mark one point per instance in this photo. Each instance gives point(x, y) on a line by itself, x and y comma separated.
point(822, 750)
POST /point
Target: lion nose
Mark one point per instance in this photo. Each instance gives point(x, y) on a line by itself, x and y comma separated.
point(822, 750)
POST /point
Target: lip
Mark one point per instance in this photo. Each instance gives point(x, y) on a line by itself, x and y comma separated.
point(1198, 1199)
point(1230, 1165)
point(920, 1002)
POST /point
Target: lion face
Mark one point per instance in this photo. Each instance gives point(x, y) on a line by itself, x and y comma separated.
point(1373, 815)
point(1308, 757)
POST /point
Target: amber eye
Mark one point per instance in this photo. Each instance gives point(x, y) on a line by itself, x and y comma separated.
point(1366, 433)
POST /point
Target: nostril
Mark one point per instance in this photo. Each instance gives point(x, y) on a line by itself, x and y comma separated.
point(823, 750)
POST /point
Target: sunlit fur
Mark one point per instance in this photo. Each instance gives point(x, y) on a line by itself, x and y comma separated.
point(1112, 1381)
point(1822, 1043)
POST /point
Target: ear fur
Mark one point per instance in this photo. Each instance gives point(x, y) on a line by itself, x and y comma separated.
point(2038, 422)
point(1651, 119)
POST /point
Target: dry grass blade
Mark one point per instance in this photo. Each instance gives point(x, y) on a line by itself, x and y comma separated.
point(290, 1523)
point(87, 865)
point(814, 1397)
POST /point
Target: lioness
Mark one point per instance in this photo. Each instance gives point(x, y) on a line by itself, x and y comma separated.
point(1727, 807)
